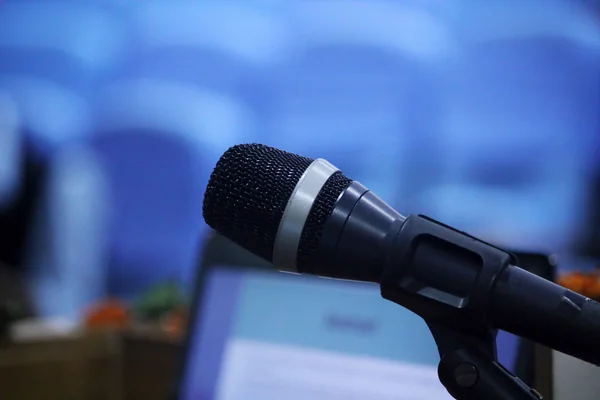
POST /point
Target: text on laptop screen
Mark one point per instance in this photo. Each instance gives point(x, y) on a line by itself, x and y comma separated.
point(267, 335)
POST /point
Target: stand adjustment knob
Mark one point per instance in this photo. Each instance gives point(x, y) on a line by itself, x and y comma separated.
point(466, 375)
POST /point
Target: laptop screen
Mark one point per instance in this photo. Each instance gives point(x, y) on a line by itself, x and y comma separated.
point(268, 335)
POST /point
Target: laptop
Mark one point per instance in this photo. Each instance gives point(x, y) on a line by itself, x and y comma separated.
point(256, 333)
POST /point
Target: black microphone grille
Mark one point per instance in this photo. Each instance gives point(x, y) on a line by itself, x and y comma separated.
point(248, 192)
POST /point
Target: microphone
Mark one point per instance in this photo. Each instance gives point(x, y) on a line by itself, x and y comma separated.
point(306, 217)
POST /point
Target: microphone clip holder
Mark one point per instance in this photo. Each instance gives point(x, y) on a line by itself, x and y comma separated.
point(446, 276)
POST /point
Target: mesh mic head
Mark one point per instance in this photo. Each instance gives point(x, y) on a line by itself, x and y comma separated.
point(249, 190)
point(247, 194)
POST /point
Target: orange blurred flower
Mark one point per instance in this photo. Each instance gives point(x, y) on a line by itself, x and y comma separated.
point(587, 284)
point(108, 314)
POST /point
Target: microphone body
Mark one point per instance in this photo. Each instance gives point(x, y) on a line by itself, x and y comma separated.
point(448, 276)
point(331, 226)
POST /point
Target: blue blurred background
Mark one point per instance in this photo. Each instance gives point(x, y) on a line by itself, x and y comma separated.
point(482, 114)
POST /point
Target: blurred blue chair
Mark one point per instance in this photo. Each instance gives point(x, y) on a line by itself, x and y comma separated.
point(159, 141)
point(406, 28)
point(63, 69)
point(517, 116)
point(51, 54)
point(356, 87)
point(245, 30)
point(52, 113)
point(188, 42)
point(511, 99)
point(526, 77)
point(67, 42)
point(209, 120)
point(349, 103)
point(156, 203)
point(204, 69)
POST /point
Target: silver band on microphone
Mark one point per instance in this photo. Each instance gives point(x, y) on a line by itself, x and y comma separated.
point(287, 241)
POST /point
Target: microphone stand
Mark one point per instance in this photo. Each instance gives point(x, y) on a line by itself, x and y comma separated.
point(469, 367)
